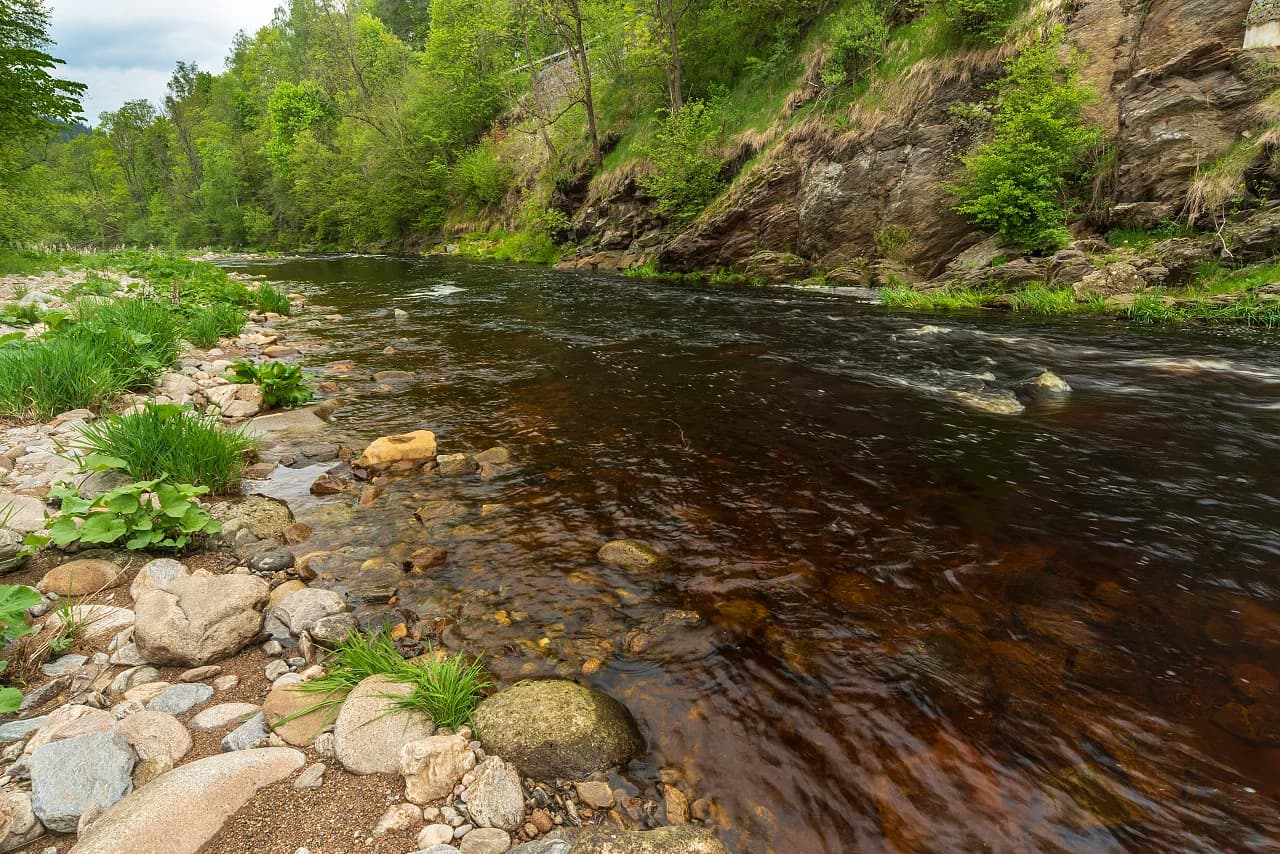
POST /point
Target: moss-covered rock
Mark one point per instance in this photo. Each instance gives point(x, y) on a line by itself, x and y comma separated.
point(557, 729)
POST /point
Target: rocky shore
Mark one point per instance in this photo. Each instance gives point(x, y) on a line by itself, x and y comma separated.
point(176, 722)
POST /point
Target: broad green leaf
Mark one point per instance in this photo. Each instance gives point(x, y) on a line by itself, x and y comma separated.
point(102, 462)
point(123, 504)
point(172, 503)
point(10, 700)
point(139, 540)
point(102, 528)
point(64, 531)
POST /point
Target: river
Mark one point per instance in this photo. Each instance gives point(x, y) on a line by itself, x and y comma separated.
point(892, 620)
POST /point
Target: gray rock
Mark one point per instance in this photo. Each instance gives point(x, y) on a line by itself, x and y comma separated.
point(542, 846)
point(271, 560)
point(132, 678)
point(486, 840)
point(495, 798)
point(13, 551)
point(333, 630)
point(181, 698)
point(370, 730)
point(156, 573)
point(74, 775)
point(437, 849)
point(311, 778)
point(18, 730)
point(682, 839)
point(63, 665)
point(199, 620)
point(301, 611)
point(276, 669)
point(248, 735)
point(555, 729)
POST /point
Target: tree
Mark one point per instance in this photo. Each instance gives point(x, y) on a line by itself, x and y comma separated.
point(568, 19)
point(30, 97)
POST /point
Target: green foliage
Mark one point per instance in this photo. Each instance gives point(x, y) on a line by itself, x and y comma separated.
point(1018, 183)
point(983, 21)
point(41, 379)
point(447, 689)
point(687, 163)
point(152, 514)
point(905, 298)
point(139, 337)
point(481, 179)
point(283, 386)
point(1040, 299)
point(269, 300)
point(205, 326)
point(30, 97)
point(857, 40)
point(170, 441)
point(14, 602)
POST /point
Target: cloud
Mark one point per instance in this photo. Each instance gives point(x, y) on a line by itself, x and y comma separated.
point(127, 50)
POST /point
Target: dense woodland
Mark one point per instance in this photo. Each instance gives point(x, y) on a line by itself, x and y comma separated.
point(391, 123)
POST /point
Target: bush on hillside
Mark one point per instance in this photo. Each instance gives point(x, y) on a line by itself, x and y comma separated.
point(688, 162)
point(1018, 183)
point(858, 37)
point(482, 179)
point(982, 20)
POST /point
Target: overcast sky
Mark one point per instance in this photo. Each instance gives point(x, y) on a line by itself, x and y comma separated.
point(126, 49)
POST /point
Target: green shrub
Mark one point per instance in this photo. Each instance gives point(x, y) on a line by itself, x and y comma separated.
point(984, 21)
point(150, 514)
point(283, 386)
point(447, 689)
point(185, 281)
point(139, 336)
point(687, 162)
point(14, 601)
point(481, 178)
point(269, 300)
point(858, 37)
point(205, 326)
point(40, 379)
point(1017, 183)
point(171, 441)
point(20, 315)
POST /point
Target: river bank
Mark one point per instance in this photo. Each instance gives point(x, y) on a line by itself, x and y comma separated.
point(140, 703)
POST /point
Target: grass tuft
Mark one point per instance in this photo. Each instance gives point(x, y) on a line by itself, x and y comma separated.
point(170, 440)
point(41, 379)
point(269, 300)
point(206, 326)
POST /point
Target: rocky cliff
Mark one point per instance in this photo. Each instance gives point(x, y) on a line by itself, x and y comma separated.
point(1175, 90)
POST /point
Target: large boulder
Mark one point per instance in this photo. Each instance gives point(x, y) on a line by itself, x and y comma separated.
point(263, 517)
point(156, 573)
point(179, 812)
point(197, 620)
point(81, 577)
point(683, 839)
point(433, 766)
point(1117, 278)
point(557, 729)
point(371, 729)
point(418, 446)
point(75, 775)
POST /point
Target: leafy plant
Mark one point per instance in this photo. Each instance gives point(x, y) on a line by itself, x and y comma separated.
point(14, 602)
point(982, 20)
point(1017, 184)
point(168, 440)
point(43, 378)
point(857, 40)
point(71, 625)
point(138, 336)
point(151, 514)
point(283, 386)
point(270, 300)
point(687, 163)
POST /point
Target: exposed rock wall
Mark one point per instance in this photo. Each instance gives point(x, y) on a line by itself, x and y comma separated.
point(1176, 89)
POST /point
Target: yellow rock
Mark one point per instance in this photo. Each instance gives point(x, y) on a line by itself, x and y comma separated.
point(416, 446)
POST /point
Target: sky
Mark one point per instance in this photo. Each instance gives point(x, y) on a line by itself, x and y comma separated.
point(126, 49)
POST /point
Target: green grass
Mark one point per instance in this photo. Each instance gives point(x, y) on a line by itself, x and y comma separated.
point(173, 441)
point(269, 300)
point(1040, 299)
point(138, 336)
point(944, 299)
point(205, 326)
point(1139, 239)
point(447, 690)
point(41, 379)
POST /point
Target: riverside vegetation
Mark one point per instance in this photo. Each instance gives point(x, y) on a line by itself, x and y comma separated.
point(644, 141)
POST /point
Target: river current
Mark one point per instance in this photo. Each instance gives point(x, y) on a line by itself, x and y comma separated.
point(892, 619)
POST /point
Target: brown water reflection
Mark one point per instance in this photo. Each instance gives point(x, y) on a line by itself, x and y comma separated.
point(890, 623)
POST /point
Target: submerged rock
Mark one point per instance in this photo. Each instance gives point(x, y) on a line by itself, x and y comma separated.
point(557, 729)
point(682, 839)
point(1046, 385)
point(630, 554)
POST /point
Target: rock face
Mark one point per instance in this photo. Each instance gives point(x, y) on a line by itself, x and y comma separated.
point(419, 445)
point(75, 775)
point(370, 730)
point(557, 729)
point(665, 840)
point(80, 577)
point(494, 798)
point(199, 619)
point(433, 766)
point(179, 812)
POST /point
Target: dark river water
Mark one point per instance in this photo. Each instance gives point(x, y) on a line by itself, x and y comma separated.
point(892, 620)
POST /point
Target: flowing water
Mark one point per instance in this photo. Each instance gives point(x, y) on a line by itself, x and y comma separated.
point(892, 620)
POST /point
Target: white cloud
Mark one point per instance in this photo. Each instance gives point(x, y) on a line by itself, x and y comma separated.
point(127, 50)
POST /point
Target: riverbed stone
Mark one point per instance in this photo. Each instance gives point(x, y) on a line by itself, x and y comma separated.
point(630, 554)
point(486, 840)
point(433, 766)
point(250, 734)
point(199, 620)
point(263, 517)
point(182, 810)
point(96, 621)
point(407, 447)
point(271, 560)
point(334, 629)
point(18, 730)
point(69, 721)
point(81, 577)
point(75, 775)
point(181, 698)
point(495, 797)
point(155, 735)
point(156, 573)
point(283, 710)
point(557, 729)
point(222, 716)
point(370, 730)
point(681, 839)
point(18, 822)
point(304, 608)
point(21, 513)
point(455, 465)
point(13, 550)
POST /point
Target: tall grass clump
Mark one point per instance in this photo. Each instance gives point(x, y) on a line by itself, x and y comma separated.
point(1039, 299)
point(445, 689)
point(40, 379)
point(269, 300)
point(162, 440)
point(206, 325)
point(138, 336)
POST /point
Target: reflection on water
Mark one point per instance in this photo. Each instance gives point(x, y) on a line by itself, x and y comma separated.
point(892, 621)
